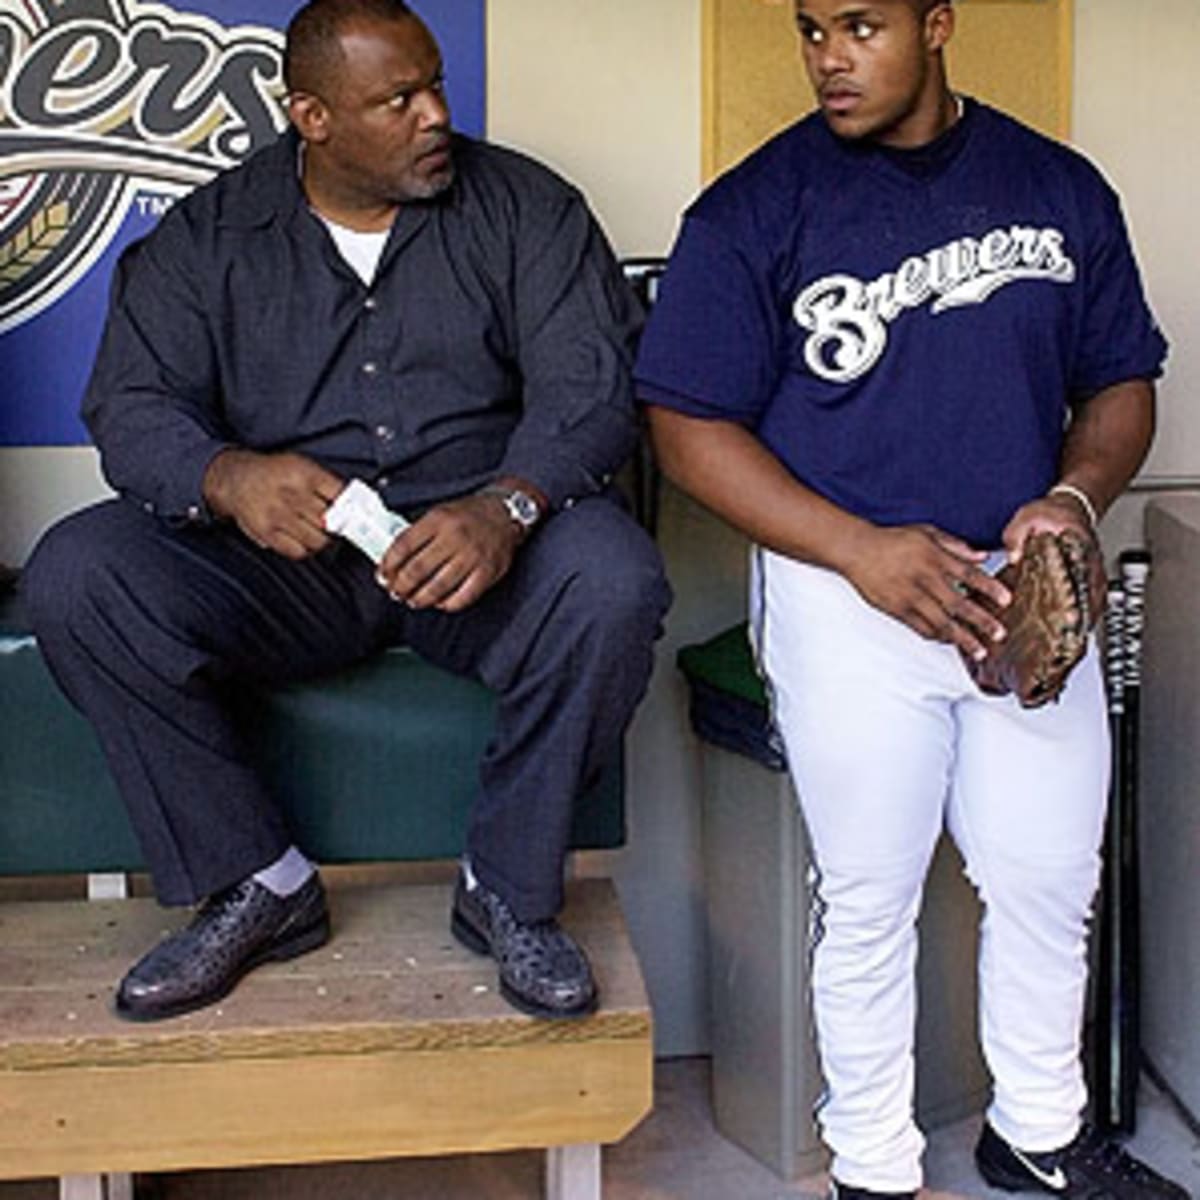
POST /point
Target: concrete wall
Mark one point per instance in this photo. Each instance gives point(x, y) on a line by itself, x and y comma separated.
point(610, 95)
point(38, 485)
point(1136, 113)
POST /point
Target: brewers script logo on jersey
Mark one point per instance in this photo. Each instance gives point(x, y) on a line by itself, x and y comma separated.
point(849, 319)
point(101, 102)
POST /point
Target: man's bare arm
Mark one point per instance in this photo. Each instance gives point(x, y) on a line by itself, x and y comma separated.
point(915, 573)
point(1105, 445)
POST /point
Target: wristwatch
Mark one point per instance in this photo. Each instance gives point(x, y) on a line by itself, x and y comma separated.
point(521, 506)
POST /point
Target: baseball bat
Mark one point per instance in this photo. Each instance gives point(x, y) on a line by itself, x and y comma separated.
point(1135, 572)
point(1107, 1048)
point(1118, 1010)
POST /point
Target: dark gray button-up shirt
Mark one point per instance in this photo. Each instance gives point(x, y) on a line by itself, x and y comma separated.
point(495, 339)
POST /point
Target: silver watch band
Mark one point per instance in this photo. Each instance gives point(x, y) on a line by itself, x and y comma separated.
point(522, 507)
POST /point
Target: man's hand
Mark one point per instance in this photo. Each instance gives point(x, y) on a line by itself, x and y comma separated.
point(923, 577)
point(1054, 514)
point(450, 556)
point(277, 500)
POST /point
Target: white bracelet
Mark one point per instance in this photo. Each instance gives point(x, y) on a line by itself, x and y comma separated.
point(1069, 489)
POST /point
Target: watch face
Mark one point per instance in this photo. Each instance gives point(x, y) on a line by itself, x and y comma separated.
point(523, 508)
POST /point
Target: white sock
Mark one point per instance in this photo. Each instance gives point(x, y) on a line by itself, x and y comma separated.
point(287, 874)
point(469, 875)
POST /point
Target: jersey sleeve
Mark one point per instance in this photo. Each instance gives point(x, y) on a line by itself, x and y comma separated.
point(708, 349)
point(1120, 339)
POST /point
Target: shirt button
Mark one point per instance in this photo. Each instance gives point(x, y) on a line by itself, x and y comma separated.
point(569, 502)
point(148, 507)
point(370, 304)
point(384, 433)
point(193, 512)
point(370, 368)
point(382, 482)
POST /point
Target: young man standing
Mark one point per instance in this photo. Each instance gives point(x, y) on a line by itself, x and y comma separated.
point(904, 334)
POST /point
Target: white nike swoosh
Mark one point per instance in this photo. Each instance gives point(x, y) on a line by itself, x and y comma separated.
point(1055, 1180)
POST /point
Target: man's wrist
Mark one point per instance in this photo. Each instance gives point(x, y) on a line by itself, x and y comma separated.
point(524, 505)
point(214, 486)
point(1076, 493)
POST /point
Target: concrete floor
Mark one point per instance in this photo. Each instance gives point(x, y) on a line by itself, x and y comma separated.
point(676, 1154)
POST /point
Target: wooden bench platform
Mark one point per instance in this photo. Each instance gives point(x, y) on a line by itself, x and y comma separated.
point(390, 1041)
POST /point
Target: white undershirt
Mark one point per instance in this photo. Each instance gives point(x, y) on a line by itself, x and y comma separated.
point(361, 250)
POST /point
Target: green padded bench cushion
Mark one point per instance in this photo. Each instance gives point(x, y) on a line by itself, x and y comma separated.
point(377, 763)
point(726, 662)
point(728, 703)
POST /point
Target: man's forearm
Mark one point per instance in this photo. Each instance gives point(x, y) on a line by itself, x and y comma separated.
point(1108, 441)
point(154, 454)
point(919, 575)
point(732, 473)
point(564, 464)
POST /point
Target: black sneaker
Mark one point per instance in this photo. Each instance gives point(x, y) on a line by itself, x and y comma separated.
point(1092, 1167)
point(839, 1191)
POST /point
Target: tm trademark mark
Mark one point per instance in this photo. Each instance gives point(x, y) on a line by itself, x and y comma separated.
point(153, 206)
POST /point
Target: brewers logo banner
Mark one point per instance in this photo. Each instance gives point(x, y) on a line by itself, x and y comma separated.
point(109, 111)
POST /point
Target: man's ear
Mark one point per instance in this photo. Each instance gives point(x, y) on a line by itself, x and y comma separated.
point(939, 26)
point(309, 115)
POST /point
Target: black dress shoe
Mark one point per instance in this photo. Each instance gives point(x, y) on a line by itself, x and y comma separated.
point(233, 932)
point(543, 971)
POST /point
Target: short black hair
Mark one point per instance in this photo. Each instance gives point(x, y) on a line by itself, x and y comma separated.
point(311, 50)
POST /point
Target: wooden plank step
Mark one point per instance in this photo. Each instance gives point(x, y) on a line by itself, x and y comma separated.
point(391, 1040)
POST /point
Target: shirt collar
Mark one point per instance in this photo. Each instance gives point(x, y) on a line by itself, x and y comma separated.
point(268, 188)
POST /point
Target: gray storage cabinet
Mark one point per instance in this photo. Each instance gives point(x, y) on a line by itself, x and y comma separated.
point(1169, 809)
point(764, 1066)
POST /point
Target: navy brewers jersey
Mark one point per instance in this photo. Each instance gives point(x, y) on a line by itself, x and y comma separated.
point(906, 336)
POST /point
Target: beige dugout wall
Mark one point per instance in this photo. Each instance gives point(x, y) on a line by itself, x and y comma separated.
point(1137, 110)
point(1015, 54)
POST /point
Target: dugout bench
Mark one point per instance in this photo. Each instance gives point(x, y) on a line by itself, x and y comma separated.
point(392, 1039)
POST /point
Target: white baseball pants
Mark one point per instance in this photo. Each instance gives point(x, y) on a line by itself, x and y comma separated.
point(888, 739)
